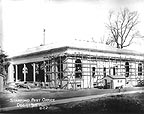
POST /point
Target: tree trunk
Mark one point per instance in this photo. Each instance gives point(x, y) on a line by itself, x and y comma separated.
point(1, 83)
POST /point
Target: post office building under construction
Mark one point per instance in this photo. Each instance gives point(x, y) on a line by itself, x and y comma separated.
point(77, 64)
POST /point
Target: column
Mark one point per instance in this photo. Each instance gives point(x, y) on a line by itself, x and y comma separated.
point(16, 72)
point(34, 73)
point(24, 71)
point(10, 73)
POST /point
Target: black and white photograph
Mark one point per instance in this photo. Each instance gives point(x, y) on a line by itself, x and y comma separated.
point(72, 56)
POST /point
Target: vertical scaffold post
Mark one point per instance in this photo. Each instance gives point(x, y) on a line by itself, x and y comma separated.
point(135, 69)
point(90, 67)
point(138, 70)
point(104, 67)
point(143, 69)
point(45, 71)
point(50, 77)
point(109, 66)
point(97, 71)
point(120, 65)
point(115, 66)
point(60, 63)
point(130, 69)
point(72, 73)
point(83, 70)
point(54, 70)
point(75, 71)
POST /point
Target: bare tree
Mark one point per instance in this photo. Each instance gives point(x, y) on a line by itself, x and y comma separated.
point(122, 28)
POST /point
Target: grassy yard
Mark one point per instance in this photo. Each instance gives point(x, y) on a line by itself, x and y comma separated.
point(132, 103)
point(112, 104)
point(127, 104)
point(54, 94)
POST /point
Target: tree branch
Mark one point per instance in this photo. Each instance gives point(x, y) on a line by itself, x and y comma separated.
point(120, 28)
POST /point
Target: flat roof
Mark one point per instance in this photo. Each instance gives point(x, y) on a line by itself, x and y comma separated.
point(78, 45)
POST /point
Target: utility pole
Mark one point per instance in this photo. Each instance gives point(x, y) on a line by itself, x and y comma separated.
point(43, 36)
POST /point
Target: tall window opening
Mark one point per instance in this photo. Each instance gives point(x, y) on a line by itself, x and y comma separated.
point(60, 68)
point(49, 76)
point(104, 71)
point(139, 69)
point(93, 72)
point(20, 72)
point(114, 71)
point(78, 69)
point(127, 69)
point(29, 74)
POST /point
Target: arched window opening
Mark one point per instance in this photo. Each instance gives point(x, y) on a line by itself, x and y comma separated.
point(127, 69)
point(78, 69)
point(139, 69)
point(114, 70)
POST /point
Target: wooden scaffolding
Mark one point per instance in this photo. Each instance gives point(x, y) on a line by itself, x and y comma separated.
point(63, 71)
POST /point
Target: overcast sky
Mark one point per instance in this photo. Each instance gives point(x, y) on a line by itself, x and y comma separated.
point(24, 20)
